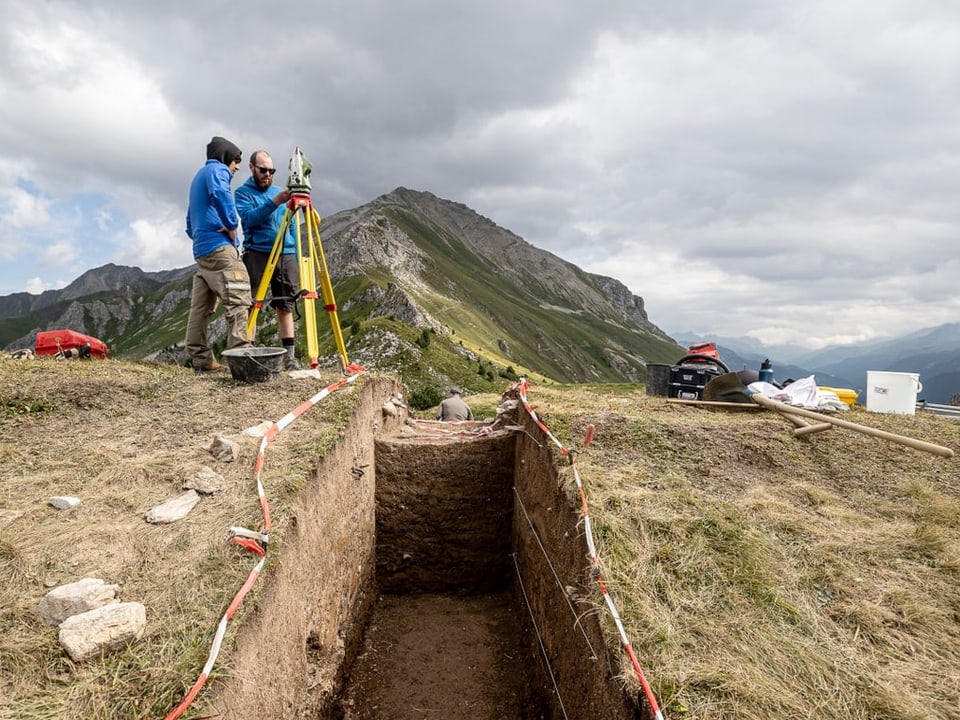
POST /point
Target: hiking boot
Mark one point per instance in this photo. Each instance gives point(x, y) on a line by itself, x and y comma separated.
point(291, 363)
point(211, 368)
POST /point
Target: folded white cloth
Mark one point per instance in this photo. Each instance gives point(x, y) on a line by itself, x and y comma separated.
point(802, 393)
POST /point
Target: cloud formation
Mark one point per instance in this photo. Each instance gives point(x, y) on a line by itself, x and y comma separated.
point(781, 171)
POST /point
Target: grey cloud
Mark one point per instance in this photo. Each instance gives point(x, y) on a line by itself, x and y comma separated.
point(778, 151)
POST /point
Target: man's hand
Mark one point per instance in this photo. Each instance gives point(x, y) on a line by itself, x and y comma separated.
point(282, 197)
point(232, 234)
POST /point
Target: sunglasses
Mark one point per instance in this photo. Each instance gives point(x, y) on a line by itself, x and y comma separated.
point(266, 171)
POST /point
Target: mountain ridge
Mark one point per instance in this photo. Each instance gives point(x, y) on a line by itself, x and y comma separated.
point(412, 273)
point(409, 266)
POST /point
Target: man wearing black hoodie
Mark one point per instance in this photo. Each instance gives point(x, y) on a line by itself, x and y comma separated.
point(212, 224)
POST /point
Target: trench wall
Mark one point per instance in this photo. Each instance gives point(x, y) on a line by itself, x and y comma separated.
point(464, 516)
point(495, 513)
point(290, 652)
point(444, 515)
point(554, 571)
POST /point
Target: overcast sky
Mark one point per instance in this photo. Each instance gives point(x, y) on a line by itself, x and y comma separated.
point(788, 171)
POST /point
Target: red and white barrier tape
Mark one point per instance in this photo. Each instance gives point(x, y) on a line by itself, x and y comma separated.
point(521, 387)
point(247, 540)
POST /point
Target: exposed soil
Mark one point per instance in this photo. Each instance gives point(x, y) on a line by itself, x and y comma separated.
point(479, 521)
point(404, 592)
point(441, 656)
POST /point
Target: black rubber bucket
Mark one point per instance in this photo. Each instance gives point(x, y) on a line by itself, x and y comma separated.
point(658, 379)
point(254, 364)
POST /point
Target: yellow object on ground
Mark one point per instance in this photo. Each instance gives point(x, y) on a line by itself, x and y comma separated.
point(846, 395)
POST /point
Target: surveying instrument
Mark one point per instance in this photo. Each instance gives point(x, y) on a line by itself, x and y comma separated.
point(311, 262)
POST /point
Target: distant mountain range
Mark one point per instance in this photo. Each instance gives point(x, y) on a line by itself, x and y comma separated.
point(933, 353)
point(424, 286)
point(430, 289)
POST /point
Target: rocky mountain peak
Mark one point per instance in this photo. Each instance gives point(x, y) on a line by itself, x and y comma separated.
point(411, 258)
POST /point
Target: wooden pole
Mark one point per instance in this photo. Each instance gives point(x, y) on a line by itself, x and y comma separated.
point(711, 403)
point(780, 407)
point(811, 428)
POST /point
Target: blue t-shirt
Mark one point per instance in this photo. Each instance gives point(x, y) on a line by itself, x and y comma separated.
point(262, 218)
point(211, 209)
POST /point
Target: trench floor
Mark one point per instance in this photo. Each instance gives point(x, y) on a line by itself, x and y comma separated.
point(427, 657)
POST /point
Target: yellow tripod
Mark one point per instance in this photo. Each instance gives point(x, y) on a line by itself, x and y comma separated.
point(310, 262)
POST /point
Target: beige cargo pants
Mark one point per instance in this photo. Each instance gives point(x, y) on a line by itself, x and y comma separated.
point(221, 276)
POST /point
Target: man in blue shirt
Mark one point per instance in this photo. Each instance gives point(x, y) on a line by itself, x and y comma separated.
point(260, 205)
point(212, 224)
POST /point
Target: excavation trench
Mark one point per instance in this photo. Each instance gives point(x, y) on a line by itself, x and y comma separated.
point(429, 577)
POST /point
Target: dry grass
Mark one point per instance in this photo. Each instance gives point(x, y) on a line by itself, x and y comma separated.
point(765, 576)
point(759, 575)
point(124, 437)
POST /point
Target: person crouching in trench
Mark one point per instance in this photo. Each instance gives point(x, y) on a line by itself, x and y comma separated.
point(454, 408)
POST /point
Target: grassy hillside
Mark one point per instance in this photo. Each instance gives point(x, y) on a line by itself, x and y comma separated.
point(492, 314)
point(758, 575)
point(541, 328)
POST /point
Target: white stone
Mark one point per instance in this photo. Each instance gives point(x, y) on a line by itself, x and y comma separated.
point(175, 509)
point(102, 630)
point(312, 374)
point(64, 502)
point(74, 598)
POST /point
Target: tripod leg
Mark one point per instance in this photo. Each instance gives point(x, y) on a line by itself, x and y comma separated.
point(330, 303)
point(268, 271)
point(308, 283)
